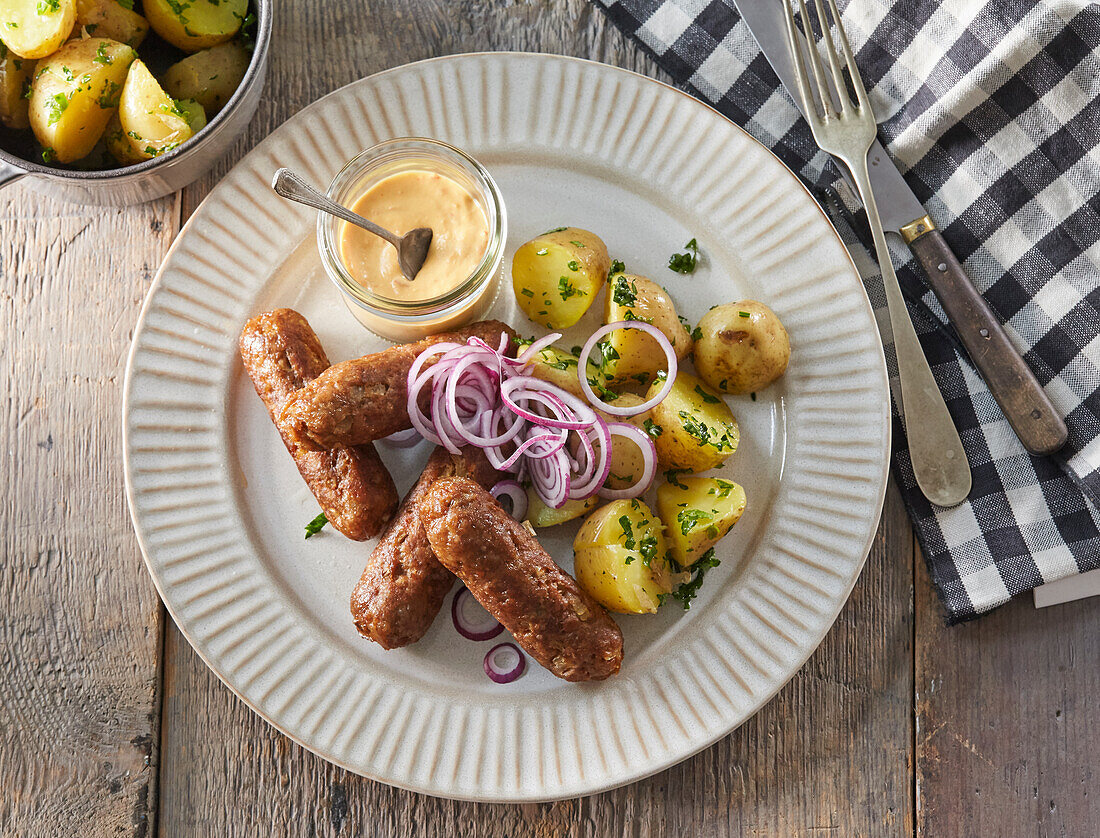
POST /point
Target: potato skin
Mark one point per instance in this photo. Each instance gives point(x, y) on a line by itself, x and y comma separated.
point(738, 353)
point(74, 94)
point(697, 514)
point(556, 276)
point(619, 558)
point(198, 24)
point(631, 297)
point(31, 31)
point(109, 19)
point(698, 430)
point(210, 76)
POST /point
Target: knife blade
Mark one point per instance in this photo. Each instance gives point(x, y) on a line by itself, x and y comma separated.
point(1022, 399)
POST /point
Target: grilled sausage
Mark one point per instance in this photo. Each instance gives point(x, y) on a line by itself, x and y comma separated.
point(403, 585)
point(281, 354)
point(516, 581)
point(364, 399)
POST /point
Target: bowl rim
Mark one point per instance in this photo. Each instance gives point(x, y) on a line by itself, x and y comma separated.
point(259, 56)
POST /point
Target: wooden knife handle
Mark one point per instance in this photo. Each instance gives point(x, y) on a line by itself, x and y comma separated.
point(1010, 380)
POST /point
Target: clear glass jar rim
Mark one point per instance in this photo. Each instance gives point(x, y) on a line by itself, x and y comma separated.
point(327, 227)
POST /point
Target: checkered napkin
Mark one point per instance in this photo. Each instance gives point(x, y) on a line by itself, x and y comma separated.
point(991, 109)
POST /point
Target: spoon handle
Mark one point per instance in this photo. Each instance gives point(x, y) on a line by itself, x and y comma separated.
point(287, 184)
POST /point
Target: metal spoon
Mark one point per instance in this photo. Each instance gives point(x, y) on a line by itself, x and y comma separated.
point(412, 248)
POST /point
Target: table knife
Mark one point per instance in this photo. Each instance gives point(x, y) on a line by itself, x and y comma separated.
point(1025, 404)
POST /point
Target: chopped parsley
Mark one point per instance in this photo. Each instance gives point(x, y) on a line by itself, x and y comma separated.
point(101, 56)
point(743, 314)
point(689, 518)
point(542, 252)
point(724, 488)
point(617, 267)
point(316, 525)
point(567, 289)
point(55, 106)
point(707, 397)
point(752, 396)
point(652, 428)
point(684, 263)
point(705, 435)
point(49, 7)
point(688, 590)
point(628, 533)
point(624, 293)
point(576, 243)
point(527, 292)
point(673, 476)
point(555, 230)
point(126, 4)
point(48, 155)
point(696, 333)
point(572, 265)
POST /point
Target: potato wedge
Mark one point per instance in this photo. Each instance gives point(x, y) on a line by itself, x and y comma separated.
point(619, 558)
point(742, 347)
point(696, 513)
point(74, 94)
point(556, 276)
point(110, 19)
point(192, 25)
point(540, 515)
point(697, 429)
point(15, 76)
point(636, 357)
point(36, 28)
point(210, 76)
point(151, 120)
point(117, 145)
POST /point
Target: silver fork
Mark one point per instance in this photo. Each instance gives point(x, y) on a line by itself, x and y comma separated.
point(846, 129)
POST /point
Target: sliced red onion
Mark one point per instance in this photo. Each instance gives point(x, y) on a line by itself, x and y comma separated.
point(505, 663)
point(649, 457)
point(515, 493)
point(403, 439)
point(653, 332)
point(535, 348)
point(471, 620)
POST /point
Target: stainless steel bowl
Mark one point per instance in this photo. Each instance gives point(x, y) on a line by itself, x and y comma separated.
point(161, 175)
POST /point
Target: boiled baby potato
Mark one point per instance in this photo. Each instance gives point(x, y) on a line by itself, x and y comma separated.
point(619, 558)
point(74, 94)
point(192, 25)
point(636, 357)
point(152, 122)
point(559, 368)
point(556, 276)
point(697, 431)
point(36, 28)
point(696, 513)
point(210, 76)
point(110, 19)
point(743, 347)
point(540, 515)
point(118, 144)
point(15, 74)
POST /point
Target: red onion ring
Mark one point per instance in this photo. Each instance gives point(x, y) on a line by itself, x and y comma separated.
point(403, 439)
point(515, 493)
point(504, 663)
point(653, 332)
point(649, 455)
point(471, 620)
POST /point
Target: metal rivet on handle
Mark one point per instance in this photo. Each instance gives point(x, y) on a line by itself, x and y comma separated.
point(942, 266)
point(984, 333)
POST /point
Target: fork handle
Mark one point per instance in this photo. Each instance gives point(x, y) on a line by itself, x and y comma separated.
point(1022, 399)
point(939, 461)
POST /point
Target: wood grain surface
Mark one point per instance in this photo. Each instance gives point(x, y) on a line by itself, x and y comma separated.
point(111, 725)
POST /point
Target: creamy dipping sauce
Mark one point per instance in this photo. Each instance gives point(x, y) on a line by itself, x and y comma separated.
point(402, 202)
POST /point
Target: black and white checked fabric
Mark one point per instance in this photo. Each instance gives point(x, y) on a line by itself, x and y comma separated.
point(991, 108)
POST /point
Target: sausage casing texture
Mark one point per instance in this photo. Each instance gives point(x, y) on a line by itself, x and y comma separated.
point(365, 399)
point(509, 573)
point(403, 585)
point(281, 354)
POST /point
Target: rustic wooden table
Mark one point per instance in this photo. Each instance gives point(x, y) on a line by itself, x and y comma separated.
point(111, 725)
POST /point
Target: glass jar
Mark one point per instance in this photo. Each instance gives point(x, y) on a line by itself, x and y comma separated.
point(408, 320)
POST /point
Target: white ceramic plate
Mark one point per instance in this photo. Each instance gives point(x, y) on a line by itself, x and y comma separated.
point(219, 508)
